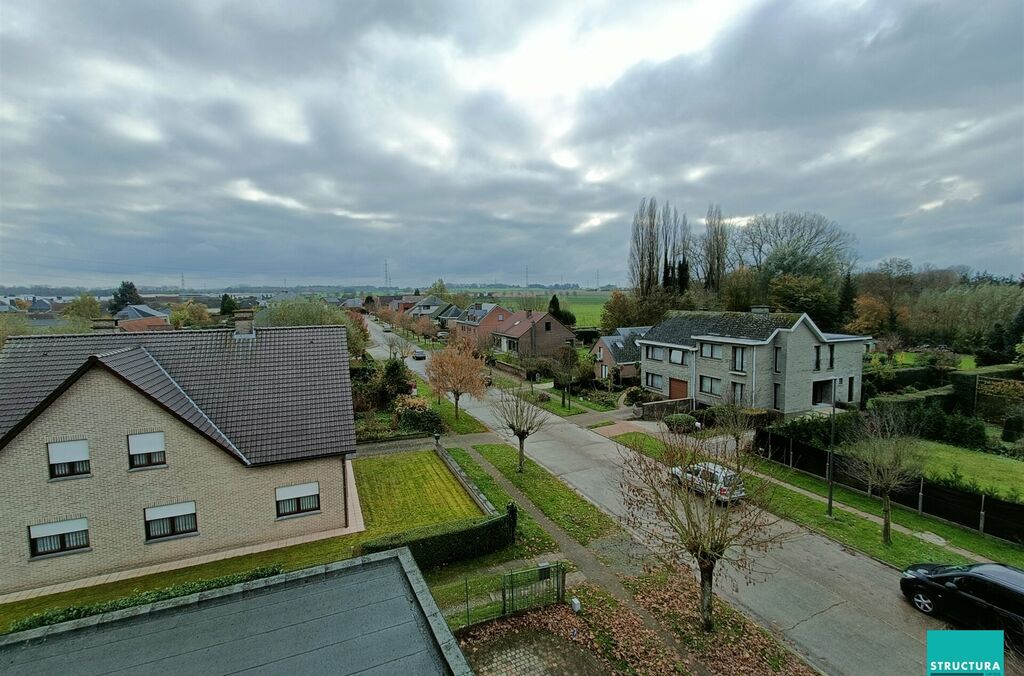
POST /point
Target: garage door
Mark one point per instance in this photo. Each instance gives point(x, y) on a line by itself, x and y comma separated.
point(678, 389)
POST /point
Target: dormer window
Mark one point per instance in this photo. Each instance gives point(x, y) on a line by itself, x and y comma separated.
point(146, 450)
point(68, 458)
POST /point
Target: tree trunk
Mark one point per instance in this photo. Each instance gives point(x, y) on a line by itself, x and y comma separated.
point(707, 576)
point(522, 453)
point(457, 406)
point(886, 519)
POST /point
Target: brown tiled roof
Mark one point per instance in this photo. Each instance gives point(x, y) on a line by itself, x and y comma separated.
point(145, 324)
point(520, 322)
point(283, 395)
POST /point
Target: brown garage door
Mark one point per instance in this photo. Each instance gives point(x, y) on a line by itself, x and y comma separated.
point(678, 389)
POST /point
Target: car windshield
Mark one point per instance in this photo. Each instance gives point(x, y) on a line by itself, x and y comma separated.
point(731, 480)
point(952, 569)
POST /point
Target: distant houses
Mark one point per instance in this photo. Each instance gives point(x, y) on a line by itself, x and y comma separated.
point(532, 334)
point(617, 356)
point(139, 312)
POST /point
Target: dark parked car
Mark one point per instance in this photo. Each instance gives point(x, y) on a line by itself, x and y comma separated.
point(981, 595)
point(419, 354)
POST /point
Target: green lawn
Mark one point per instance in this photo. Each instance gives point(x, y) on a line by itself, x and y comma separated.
point(417, 490)
point(645, 443)
point(854, 531)
point(574, 514)
point(554, 405)
point(464, 424)
point(987, 547)
point(910, 359)
point(603, 423)
point(584, 399)
point(997, 474)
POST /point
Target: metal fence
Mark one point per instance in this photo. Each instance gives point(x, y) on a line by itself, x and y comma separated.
point(984, 513)
point(503, 594)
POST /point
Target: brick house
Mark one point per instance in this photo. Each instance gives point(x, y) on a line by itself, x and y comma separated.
point(762, 359)
point(618, 355)
point(532, 334)
point(479, 321)
point(123, 450)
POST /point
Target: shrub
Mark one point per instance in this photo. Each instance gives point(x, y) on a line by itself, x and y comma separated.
point(760, 418)
point(638, 395)
point(1013, 427)
point(57, 615)
point(681, 423)
point(543, 396)
point(909, 389)
point(961, 430)
point(445, 543)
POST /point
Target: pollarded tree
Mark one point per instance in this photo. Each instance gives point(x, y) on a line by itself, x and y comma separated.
point(884, 458)
point(456, 371)
point(520, 417)
point(680, 524)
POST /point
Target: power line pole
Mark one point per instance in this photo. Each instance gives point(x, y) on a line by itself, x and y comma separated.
point(527, 276)
point(598, 285)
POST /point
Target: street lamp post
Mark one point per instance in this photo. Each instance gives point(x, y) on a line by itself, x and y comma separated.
point(568, 376)
point(831, 446)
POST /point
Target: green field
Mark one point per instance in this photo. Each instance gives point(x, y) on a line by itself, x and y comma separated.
point(586, 305)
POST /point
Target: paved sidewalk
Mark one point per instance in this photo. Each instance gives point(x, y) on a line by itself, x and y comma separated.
point(592, 568)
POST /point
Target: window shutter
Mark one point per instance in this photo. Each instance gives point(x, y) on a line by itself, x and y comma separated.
point(152, 442)
point(166, 511)
point(58, 528)
point(68, 451)
point(298, 491)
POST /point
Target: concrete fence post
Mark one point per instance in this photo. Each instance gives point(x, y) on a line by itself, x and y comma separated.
point(981, 518)
point(920, 497)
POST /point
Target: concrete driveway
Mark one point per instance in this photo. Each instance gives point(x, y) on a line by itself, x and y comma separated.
point(843, 611)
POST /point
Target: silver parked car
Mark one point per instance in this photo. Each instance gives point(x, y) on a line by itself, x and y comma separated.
point(708, 477)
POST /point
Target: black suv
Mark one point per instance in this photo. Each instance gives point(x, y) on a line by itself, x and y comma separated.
point(982, 595)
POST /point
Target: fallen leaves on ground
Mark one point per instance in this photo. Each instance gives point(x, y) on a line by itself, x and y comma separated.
point(737, 645)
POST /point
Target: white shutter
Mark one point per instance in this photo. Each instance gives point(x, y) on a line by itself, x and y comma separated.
point(58, 527)
point(298, 491)
point(68, 451)
point(151, 442)
point(153, 513)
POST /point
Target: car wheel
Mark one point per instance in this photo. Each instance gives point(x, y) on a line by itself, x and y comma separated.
point(923, 602)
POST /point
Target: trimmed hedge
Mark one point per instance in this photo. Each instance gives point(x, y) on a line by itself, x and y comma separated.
point(58, 615)
point(965, 382)
point(441, 544)
point(1013, 428)
point(940, 396)
point(894, 380)
point(680, 422)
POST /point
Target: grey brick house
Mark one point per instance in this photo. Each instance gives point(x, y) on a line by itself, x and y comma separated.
point(762, 359)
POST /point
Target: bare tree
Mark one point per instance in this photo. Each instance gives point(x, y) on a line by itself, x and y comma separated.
point(715, 248)
point(795, 243)
point(397, 346)
point(645, 248)
point(520, 417)
point(683, 524)
point(884, 458)
point(457, 371)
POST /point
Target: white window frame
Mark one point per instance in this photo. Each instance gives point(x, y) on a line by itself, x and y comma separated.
point(682, 356)
point(172, 512)
point(742, 353)
point(712, 384)
point(604, 370)
point(714, 350)
point(649, 379)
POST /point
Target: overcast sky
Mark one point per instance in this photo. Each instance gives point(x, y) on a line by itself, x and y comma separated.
point(246, 142)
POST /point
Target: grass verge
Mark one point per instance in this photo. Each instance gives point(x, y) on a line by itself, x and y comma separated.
point(989, 548)
point(575, 515)
point(463, 424)
point(994, 474)
point(554, 404)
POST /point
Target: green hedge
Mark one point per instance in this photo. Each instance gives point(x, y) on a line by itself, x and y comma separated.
point(680, 422)
point(58, 615)
point(964, 383)
point(445, 543)
point(939, 396)
point(894, 380)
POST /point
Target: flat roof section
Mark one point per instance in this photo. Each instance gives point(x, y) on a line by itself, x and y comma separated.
point(370, 615)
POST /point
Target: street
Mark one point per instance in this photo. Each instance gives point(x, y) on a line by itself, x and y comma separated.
point(842, 610)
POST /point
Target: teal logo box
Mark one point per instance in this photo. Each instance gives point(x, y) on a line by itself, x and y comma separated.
point(965, 653)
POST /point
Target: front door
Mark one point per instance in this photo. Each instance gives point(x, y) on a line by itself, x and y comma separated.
point(678, 389)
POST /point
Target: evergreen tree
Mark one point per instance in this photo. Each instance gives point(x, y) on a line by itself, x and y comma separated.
point(847, 298)
point(682, 276)
point(666, 274)
point(416, 292)
point(554, 307)
point(125, 295)
point(228, 305)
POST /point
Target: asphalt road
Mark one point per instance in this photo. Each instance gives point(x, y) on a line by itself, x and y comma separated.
point(843, 611)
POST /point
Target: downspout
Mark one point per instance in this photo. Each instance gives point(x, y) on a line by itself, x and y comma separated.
point(693, 380)
point(753, 379)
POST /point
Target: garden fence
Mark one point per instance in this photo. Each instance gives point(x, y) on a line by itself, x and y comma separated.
point(511, 592)
point(985, 513)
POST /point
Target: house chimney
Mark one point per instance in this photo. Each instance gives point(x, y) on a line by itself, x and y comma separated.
point(104, 325)
point(759, 309)
point(529, 313)
point(244, 324)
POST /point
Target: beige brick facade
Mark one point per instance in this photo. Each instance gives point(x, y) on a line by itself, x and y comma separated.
point(235, 505)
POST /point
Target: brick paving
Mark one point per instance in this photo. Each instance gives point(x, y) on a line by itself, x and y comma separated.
point(535, 653)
